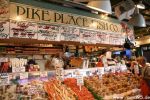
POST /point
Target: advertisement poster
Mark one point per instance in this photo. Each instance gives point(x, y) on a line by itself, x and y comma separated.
point(4, 10)
point(4, 30)
point(22, 29)
point(4, 79)
point(48, 32)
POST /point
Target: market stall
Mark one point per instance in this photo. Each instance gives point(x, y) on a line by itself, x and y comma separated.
point(49, 54)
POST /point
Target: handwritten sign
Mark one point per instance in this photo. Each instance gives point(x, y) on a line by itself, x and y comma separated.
point(115, 39)
point(18, 69)
point(100, 37)
point(4, 10)
point(21, 29)
point(65, 31)
point(87, 36)
point(48, 32)
point(70, 33)
point(80, 79)
point(4, 30)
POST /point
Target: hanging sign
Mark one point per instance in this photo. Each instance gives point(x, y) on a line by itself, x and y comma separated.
point(48, 32)
point(37, 14)
point(4, 10)
point(65, 33)
point(22, 29)
point(102, 37)
point(4, 30)
point(87, 36)
point(70, 33)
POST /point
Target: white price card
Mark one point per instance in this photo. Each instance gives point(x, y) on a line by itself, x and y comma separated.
point(4, 10)
point(24, 75)
point(22, 29)
point(4, 30)
point(48, 32)
point(4, 79)
point(88, 36)
point(69, 33)
point(18, 69)
point(80, 80)
point(59, 73)
point(44, 76)
point(23, 78)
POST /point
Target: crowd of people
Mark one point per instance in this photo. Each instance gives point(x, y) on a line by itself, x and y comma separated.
point(140, 67)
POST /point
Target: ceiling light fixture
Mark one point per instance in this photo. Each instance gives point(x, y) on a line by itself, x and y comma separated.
point(140, 5)
point(137, 19)
point(101, 5)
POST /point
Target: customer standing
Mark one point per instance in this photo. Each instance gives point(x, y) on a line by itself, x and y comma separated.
point(145, 84)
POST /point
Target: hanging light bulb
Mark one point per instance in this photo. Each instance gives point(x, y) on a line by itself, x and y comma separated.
point(140, 5)
point(137, 19)
point(101, 5)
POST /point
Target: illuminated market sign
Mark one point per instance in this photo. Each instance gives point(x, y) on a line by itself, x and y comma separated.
point(26, 12)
